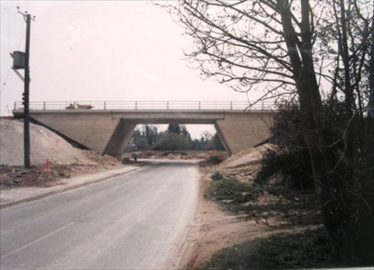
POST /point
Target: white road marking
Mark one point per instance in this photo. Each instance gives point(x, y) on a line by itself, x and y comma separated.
point(37, 240)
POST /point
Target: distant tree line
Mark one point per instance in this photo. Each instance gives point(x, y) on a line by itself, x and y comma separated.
point(175, 137)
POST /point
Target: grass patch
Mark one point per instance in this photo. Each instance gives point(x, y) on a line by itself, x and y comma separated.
point(309, 249)
point(230, 193)
point(241, 198)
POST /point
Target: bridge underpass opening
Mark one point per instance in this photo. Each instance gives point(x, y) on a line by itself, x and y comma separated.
point(171, 137)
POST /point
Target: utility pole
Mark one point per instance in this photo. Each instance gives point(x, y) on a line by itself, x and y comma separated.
point(22, 61)
point(26, 129)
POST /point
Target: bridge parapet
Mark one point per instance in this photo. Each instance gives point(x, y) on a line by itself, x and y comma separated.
point(149, 105)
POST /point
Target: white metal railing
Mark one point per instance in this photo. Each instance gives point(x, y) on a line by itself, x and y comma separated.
point(148, 105)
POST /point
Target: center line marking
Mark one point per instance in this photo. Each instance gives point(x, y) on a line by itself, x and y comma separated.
point(37, 240)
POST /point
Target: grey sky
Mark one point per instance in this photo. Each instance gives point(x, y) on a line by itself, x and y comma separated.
point(101, 50)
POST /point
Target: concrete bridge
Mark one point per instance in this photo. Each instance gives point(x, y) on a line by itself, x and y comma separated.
point(106, 127)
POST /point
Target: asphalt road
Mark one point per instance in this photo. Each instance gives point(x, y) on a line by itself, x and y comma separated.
point(134, 221)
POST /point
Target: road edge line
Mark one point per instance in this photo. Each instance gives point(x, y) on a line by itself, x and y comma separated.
point(49, 193)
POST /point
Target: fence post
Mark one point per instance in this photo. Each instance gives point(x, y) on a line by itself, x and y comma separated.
point(136, 105)
point(231, 105)
point(199, 105)
point(167, 105)
point(262, 105)
point(44, 105)
point(15, 105)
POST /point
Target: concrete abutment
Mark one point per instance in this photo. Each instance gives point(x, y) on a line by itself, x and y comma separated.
point(120, 138)
point(242, 131)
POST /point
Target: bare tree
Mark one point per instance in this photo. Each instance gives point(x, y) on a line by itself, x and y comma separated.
point(261, 43)
point(246, 44)
point(354, 30)
point(371, 75)
point(289, 47)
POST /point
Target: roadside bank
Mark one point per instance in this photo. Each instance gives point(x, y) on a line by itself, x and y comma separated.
point(12, 196)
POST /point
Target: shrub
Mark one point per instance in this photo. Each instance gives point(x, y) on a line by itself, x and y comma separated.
point(172, 141)
point(289, 162)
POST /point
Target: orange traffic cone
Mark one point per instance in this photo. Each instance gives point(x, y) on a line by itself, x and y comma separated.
point(47, 165)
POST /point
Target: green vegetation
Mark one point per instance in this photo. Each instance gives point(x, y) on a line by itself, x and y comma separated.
point(289, 206)
point(289, 161)
point(310, 249)
point(172, 141)
point(346, 195)
point(230, 193)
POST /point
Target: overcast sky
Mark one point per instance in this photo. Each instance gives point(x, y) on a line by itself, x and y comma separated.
point(101, 50)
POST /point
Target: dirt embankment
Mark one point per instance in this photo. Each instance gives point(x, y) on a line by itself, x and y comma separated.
point(243, 165)
point(52, 157)
point(45, 144)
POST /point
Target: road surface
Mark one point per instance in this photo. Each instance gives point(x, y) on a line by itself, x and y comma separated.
point(134, 221)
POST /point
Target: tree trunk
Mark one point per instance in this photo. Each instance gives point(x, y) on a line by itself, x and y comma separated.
point(301, 57)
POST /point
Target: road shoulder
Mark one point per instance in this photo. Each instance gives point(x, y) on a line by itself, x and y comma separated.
point(13, 196)
point(213, 229)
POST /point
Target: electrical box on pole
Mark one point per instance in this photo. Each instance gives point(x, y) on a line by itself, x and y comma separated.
point(19, 60)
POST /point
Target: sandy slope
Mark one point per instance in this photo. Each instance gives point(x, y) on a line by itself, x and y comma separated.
point(45, 144)
point(245, 164)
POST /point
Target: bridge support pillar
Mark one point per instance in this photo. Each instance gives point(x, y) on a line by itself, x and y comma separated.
point(120, 138)
point(222, 138)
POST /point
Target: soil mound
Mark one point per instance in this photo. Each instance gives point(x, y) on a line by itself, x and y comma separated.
point(45, 144)
point(245, 164)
